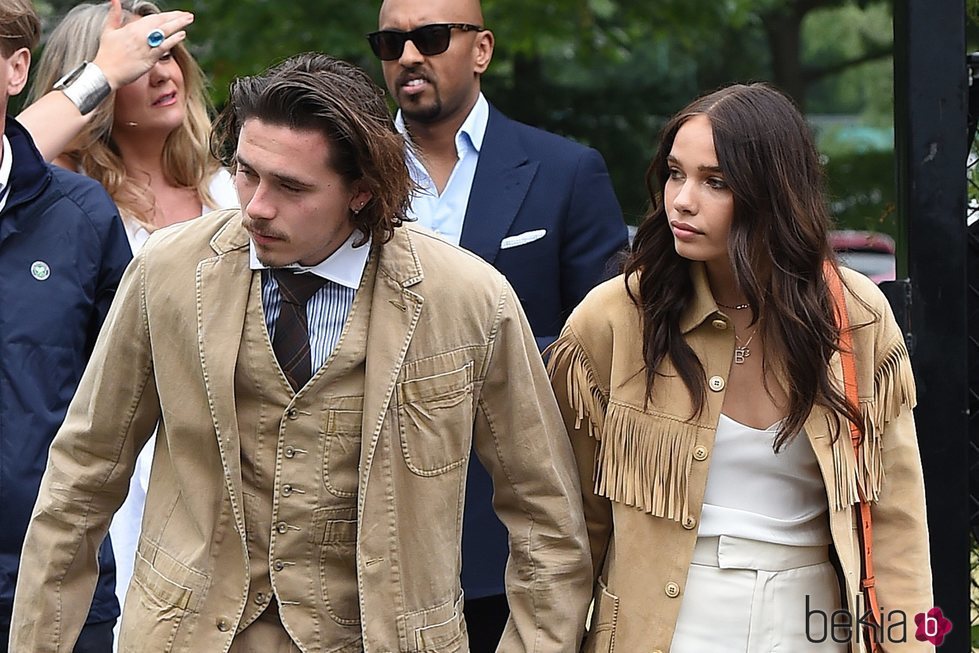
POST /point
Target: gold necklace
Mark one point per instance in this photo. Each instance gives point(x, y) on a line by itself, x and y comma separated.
point(741, 350)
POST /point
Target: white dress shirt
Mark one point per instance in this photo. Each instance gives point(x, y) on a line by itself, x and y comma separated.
point(443, 213)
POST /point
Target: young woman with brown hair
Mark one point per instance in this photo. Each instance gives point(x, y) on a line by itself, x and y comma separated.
point(703, 394)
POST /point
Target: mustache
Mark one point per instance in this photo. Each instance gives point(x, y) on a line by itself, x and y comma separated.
point(251, 227)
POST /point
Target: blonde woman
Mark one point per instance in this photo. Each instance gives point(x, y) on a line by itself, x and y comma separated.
point(146, 141)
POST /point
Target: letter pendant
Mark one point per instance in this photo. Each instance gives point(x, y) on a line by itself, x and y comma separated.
point(740, 354)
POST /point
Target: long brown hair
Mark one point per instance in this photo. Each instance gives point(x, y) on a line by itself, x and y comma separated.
point(317, 92)
point(778, 246)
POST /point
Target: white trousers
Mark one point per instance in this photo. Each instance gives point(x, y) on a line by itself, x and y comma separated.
point(745, 596)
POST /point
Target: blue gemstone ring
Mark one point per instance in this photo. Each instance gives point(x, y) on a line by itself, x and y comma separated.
point(155, 38)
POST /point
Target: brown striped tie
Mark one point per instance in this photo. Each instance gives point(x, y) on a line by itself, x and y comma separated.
point(291, 340)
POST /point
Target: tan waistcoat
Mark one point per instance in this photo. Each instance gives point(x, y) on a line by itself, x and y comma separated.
point(299, 472)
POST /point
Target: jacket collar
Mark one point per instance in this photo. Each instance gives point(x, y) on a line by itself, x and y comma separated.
point(503, 177)
point(31, 174)
point(703, 306)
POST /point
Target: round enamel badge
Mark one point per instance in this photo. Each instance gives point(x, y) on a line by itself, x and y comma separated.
point(40, 270)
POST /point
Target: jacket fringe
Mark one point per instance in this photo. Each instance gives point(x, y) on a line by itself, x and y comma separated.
point(584, 394)
point(863, 471)
point(642, 460)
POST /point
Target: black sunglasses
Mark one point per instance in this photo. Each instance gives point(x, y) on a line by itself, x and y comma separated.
point(389, 44)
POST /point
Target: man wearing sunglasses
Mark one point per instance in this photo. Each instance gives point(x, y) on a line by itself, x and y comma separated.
point(538, 207)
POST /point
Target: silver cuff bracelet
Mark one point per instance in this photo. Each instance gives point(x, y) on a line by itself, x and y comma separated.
point(86, 87)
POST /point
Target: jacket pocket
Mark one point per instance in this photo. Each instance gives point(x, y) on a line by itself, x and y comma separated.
point(156, 603)
point(341, 455)
point(601, 635)
point(335, 532)
point(441, 629)
point(435, 416)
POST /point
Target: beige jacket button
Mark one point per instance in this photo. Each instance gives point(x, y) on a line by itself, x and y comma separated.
point(278, 565)
point(719, 324)
point(286, 490)
point(223, 625)
point(282, 527)
point(289, 451)
point(292, 413)
point(715, 383)
point(689, 523)
point(700, 453)
point(672, 590)
point(260, 598)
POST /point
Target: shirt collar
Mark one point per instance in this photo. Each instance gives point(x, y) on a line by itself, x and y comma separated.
point(473, 127)
point(6, 166)
point(344, 266)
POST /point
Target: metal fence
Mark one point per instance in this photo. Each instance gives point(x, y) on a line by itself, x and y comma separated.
point(972, 260)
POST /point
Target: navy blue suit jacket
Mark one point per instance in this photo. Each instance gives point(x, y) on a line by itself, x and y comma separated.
point(543, 212)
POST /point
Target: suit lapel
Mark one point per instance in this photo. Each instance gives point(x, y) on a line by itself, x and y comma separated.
point(223, 282)
point(394, 314)
point(503, 176)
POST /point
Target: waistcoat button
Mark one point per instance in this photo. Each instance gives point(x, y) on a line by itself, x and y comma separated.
point(260, 598)
point(715, 383)
point(719, 324)
point(289, 451)
point(223, 625)
point(282, 527)
point(286, 490)
point(672, 590)
point(700, 453)
point(689, 522)
point(278, 565)
point(292, 413)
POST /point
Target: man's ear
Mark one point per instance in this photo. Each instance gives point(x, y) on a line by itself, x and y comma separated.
point(361, 196)
point(18, 64)
point(483, 47)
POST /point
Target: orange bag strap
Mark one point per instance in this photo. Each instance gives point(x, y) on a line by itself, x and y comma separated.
point(867, 581)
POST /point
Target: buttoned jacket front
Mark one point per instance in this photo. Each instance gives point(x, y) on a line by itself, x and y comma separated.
point(644, 465)
point(450, 363)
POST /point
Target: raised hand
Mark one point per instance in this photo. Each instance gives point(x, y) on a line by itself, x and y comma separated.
point(125, 52)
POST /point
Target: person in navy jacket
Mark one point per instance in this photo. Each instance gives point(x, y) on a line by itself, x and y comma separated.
point(63, 249)
point(539, 207)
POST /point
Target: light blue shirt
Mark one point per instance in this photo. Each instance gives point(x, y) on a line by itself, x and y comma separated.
point(443, 214)
point(328, 308)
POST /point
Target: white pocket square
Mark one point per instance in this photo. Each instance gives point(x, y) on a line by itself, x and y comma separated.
point(522, 239)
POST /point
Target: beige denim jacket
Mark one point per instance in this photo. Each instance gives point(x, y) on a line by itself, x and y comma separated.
point(644, 468)
point(451, 362)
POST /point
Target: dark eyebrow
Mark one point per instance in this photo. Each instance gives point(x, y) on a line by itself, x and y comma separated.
point(282, 179)
point(716, 169)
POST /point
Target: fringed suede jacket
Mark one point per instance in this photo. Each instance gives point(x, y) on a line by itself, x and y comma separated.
point(644, 466)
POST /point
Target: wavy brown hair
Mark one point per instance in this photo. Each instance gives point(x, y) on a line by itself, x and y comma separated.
point(314, 91)
point(187, 161)
point(778, 246)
